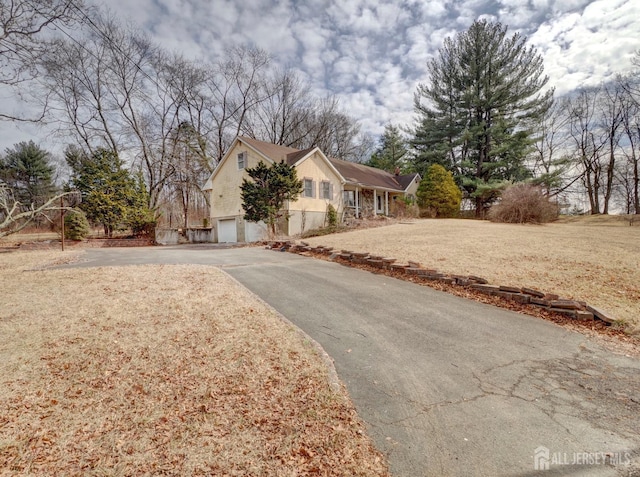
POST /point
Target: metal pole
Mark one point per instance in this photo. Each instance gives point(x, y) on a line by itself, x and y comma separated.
point(62, 220)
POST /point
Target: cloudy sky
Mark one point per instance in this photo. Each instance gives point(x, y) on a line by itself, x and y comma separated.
point(372, 54)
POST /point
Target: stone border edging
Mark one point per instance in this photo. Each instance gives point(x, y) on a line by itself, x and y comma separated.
point(579, 310)
point(88, 243)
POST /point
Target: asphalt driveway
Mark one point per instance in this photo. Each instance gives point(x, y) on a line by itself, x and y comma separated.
point(447, 386)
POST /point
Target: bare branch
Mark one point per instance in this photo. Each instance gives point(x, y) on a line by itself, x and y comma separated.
point(14, 216)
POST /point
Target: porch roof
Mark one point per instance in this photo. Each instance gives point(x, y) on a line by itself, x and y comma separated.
point(365, 176)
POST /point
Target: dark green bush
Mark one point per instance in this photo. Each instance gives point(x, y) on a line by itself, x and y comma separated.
point(76, 225)
point(438, 194)
point(332, 216)
point(142, 222)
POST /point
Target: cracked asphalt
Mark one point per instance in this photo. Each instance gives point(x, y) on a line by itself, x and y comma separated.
point(447, 386)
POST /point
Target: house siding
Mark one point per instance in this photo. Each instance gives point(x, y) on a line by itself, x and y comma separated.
point(315, 168)
point(412, 189)
point(309, 212)
point(226, 198)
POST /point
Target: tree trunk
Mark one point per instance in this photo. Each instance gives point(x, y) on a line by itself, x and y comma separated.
point(636, 180)
point(479, 208)
point(610, 169)
point(636, 183)
point(595, 190)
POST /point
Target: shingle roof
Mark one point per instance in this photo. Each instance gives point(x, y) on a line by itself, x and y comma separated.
point(273, 151)
point(352, 172)
point(294, 157)
point(364, 175)
point(406, 179)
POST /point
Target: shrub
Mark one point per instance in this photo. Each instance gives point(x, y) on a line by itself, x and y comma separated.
point(142, 222)
point(404, 207)
point(524, 203)
point(332, 216)
point(324, 231)
point(438, 194)
point(76, 225)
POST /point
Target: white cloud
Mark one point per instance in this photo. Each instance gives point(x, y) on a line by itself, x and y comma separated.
point(373, 53)
point(588, 47)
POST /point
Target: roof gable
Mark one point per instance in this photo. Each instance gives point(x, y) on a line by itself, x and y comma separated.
point(405, 180)
point(270, 152)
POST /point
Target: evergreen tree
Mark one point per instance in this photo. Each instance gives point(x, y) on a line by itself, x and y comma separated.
point(391, 152)
point(76, 225)
point(265, 194)
point(111, 196)
point(477, 114)
point(26, 170)
point(438, 193)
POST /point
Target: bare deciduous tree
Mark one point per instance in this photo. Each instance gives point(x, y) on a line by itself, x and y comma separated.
point(589, 144)
point(631, 128)
point(23, 26)
point(550, 164)
point(235, 88)
point(611, 117)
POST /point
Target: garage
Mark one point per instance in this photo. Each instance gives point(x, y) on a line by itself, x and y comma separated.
point(227, 231)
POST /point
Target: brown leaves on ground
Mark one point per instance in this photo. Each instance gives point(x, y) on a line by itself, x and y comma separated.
point(172, 370)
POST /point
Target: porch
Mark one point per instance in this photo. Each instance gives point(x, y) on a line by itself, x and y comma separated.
point(366, 202)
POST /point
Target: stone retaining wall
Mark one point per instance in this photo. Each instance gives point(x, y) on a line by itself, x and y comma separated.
point(576, 309)
point(104, 243)
point(88, 243)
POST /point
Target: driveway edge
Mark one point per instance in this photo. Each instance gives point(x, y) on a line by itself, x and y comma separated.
point(334, 381)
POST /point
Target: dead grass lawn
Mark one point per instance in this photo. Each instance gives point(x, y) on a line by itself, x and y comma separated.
point(172, 370)
point(594, 259)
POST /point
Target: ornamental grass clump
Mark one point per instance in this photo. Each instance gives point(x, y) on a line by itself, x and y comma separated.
point(524, 204)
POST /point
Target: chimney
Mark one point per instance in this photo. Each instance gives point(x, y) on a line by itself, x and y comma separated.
point(397, 171)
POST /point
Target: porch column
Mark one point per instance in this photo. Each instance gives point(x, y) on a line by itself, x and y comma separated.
point(375, 203)
point(357, 204)
point(386, 202)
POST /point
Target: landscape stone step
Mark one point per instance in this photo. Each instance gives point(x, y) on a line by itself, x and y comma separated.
point(539, 301)
point(566, 304)
point(601, 314)
point(532, 292)
point(506, 288)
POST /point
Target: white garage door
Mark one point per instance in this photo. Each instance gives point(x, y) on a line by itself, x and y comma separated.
point(227, 231)
point(255, 232)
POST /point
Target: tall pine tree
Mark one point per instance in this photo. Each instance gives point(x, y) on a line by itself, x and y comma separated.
point(27, 171)
point(477, 113)
point(391, 153)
